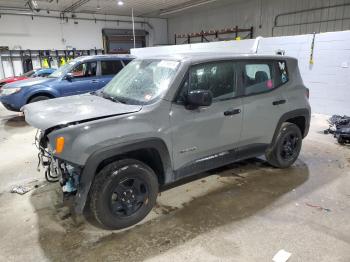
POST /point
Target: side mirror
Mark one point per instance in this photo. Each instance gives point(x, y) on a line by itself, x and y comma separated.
point(69, 76)
point(197, 98)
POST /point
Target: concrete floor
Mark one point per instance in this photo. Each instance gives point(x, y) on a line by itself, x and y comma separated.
point(244, 212)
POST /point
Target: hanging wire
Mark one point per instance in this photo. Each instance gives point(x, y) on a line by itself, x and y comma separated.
point(133, 26)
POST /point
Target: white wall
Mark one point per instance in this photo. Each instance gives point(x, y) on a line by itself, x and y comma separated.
point(328, 78)
point(48, 33)
point(261, 13)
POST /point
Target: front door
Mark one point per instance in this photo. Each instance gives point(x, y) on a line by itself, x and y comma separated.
point(84, 80)
point(205, 137)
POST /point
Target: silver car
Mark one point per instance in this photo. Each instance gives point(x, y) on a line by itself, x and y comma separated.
point(162, 119)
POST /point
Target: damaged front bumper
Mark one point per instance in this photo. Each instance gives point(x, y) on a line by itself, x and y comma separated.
point(57, 170)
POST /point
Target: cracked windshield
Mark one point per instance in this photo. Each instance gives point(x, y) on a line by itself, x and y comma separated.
point(142, 81)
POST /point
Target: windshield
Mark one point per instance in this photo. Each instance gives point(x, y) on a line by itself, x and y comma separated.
point(63, 70)
point(142, 81)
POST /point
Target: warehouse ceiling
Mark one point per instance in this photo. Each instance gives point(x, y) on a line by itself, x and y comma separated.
point(146, 8)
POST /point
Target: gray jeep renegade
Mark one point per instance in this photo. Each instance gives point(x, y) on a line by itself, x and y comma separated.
point(162, 119)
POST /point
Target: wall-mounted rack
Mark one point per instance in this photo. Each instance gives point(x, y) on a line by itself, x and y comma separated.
point(205, 36)
point(14, 62)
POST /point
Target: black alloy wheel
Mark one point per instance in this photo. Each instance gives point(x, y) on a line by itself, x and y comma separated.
point(123, 193)
point(286, 148)
point(128, 196)
point(289, 146)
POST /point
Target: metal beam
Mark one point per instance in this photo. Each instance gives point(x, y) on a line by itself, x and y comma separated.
point(276, 25)
point(33, 15)
point(75, 5)
point(308, 10)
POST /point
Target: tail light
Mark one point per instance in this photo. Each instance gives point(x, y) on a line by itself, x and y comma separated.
point(307, 93)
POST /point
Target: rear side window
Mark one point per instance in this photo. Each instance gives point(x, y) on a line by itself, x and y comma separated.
point(257, 77)
point(43, 74)
point(260, 77)
point(217, 77)
point(111, 67)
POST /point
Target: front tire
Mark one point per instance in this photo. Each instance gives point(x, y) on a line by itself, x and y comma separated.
point(38, 98)
point(287, 146)
point(123, 193)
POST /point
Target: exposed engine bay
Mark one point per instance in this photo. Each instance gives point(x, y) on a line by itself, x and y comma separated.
point(56, 170)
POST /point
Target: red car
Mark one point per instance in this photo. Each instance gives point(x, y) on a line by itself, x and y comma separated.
point(41, 72)
point(12, 79)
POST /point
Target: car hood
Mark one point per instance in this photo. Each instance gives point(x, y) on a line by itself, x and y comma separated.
point(30, 82)
point(73, 109)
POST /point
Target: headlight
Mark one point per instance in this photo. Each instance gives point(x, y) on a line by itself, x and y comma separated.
point(59, 145)
point(9, 91)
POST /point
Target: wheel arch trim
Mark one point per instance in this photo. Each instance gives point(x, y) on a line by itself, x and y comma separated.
point(46, 92)
point(93, 162)
point(292, 114)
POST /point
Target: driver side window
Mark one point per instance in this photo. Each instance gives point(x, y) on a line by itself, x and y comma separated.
point(87, 69)
point(218, 77)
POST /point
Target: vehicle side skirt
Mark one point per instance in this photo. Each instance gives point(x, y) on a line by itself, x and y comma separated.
point(220, 159)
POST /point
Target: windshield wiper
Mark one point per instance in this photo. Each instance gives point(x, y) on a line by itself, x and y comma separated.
point(94, 93)
point(109, 97)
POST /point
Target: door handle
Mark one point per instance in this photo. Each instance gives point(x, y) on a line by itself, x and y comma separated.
point(279, 102)
point(95, 81)
point(232, 112)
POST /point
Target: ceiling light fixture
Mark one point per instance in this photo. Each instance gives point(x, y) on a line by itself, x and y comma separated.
point(185, 7)
point(120, 3)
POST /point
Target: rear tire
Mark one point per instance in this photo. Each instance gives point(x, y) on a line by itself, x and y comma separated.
point(123, 193)
point(287, 146)
point(38, 98)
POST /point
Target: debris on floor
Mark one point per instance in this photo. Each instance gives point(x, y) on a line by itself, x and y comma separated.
point(20, 189)
point(281, 256)
point(318, 207)
point(339, 126)
point(23, 189)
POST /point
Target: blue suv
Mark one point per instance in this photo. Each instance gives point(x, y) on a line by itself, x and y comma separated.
point(81, 75)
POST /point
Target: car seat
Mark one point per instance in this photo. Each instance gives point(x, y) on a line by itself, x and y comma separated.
point(260, 83)
point(261, 76)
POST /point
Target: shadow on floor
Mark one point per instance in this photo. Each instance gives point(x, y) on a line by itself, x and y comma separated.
point(250, 190)
point(14, 122)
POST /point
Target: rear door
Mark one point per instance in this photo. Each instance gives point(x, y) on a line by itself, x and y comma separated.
point(263, 101)
point(109, 68)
